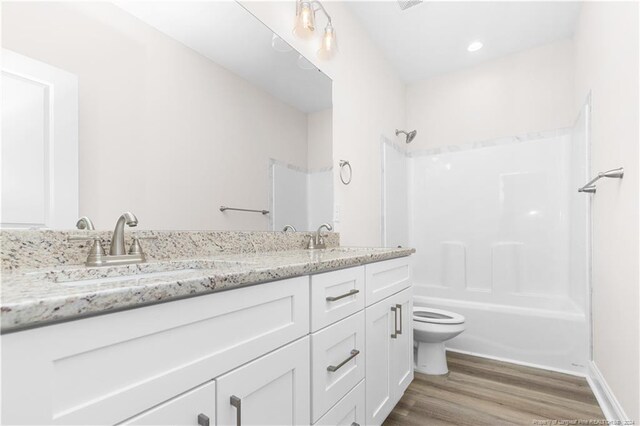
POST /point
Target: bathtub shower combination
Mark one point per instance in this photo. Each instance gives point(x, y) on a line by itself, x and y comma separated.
point(501, 237)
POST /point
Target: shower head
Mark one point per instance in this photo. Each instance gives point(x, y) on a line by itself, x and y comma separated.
point(409, 135)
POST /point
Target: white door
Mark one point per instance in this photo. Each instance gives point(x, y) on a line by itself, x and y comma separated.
point(39, 146)
point(402, 345)
point(378, 347)
point(272, 390)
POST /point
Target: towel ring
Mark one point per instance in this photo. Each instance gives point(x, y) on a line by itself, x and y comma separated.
point(343, 164)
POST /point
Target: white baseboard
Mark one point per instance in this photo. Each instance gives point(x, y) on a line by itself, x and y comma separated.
point(524, 364)
point(606, 399)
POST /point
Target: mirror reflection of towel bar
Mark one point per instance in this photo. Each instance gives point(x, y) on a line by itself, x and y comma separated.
point(224, 208)
point(613, 173)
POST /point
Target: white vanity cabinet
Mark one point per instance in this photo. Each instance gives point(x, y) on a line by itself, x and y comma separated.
point(389, 348)
point(109, 368)
point(308, 350)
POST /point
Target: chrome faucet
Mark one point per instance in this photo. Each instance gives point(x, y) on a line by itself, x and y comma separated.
point(318, 241)
point(289, 228)
point(117, 240)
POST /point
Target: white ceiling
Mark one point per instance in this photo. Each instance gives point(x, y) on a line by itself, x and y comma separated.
point(229, 35)
point(432, 37)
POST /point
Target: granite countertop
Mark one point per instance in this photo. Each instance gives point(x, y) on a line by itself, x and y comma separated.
point(45, 296)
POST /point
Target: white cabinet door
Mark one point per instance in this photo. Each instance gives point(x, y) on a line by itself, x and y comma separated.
point(379, 323)
point(349, 411)
point(272, 390)
point(402, 345)
point(389, 347)
point(194, 408)
point(338, 358)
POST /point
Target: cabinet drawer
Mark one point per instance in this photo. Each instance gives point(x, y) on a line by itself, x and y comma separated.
point(272, 390)
point(336, 295)
point(386, 278)
point(349, 411)
point(337, 362)
point(109, 368)
point(194, 408)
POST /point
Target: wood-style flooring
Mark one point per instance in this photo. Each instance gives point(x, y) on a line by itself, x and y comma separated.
point(480, 391)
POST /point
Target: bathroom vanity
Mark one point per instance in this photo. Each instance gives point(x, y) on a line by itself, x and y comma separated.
point(326, 340)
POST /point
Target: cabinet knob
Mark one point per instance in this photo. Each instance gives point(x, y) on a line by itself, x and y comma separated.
point(203, 420)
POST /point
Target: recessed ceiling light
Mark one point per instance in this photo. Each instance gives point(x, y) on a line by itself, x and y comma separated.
point(476, 45)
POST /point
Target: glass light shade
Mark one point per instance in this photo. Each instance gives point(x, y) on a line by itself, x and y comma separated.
point(304, 63)
point(279, 45)
point(305, 20)
point(329, 46)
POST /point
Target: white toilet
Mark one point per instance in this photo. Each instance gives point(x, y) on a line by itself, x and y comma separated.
point(431, 328)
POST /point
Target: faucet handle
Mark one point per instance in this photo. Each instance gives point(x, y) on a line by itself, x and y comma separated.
point(312, 243)
point(96, 252)
point(136, 248)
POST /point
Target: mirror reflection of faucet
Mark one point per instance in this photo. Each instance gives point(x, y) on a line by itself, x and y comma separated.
point(117, 251)
point(317, 242)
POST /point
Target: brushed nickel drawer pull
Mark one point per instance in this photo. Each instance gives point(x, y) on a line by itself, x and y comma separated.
point(333, 368)
point(400, 309)
point(237, 402)
point(394, 335)
point(342, 296)
point(203, 420)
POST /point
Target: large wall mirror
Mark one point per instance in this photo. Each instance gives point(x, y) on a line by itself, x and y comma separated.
point(166, 109)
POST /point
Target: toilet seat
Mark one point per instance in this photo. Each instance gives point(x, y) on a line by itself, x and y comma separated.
point(436, 316)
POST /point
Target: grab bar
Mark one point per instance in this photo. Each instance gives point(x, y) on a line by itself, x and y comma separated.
point(613, 173)
point(223, 208)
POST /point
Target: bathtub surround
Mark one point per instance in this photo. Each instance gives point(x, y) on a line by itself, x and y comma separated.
point(509, 260)
point(299, 197)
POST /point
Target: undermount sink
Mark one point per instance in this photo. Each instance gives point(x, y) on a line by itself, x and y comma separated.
point(82, 275)
point(355, 249)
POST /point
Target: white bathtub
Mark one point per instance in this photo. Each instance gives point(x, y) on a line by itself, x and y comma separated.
point(552, 339)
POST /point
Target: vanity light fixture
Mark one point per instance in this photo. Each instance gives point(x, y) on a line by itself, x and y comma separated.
point(304, 63)
point(279, 45)
point(305, 27)
point(475, 46)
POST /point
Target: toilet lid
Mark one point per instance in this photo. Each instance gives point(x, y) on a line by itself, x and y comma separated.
point(436, 316)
